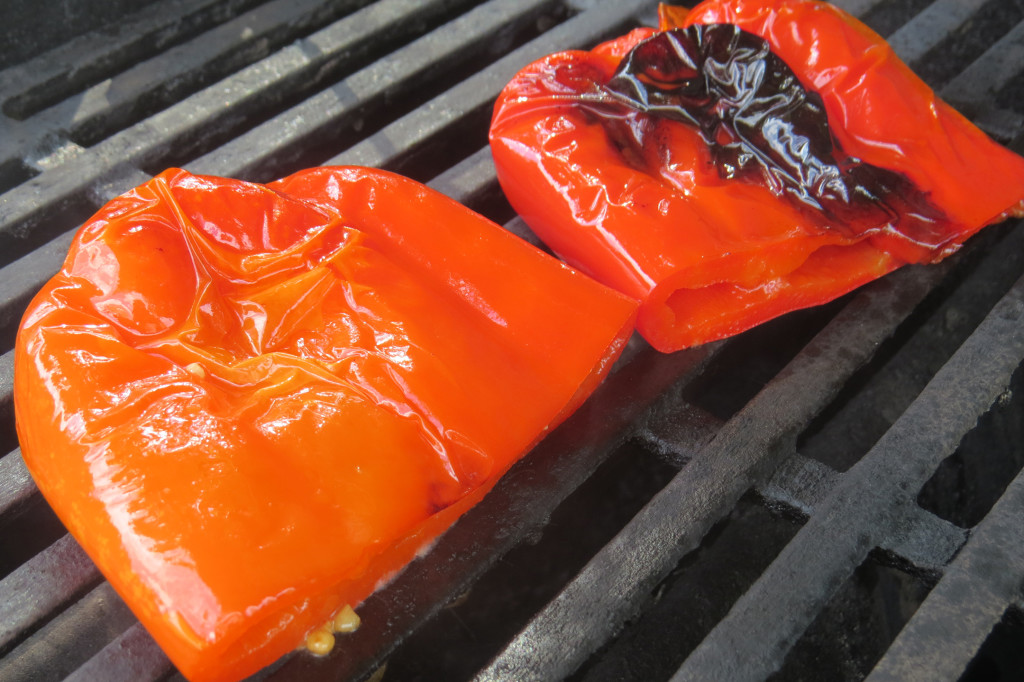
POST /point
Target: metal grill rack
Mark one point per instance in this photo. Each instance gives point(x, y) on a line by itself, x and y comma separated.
point(834, 495)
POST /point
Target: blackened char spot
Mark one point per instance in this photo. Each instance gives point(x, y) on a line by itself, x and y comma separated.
point(761, 125)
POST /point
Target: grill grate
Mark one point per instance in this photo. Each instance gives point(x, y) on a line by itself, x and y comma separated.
point(765, 487)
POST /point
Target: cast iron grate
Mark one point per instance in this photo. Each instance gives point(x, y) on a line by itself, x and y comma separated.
point(853, 468)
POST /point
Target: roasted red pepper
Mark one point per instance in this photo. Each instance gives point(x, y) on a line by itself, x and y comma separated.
point(253, 404)
point(745, 160)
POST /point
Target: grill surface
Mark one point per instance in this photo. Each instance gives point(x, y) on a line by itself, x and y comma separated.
point(834, 495)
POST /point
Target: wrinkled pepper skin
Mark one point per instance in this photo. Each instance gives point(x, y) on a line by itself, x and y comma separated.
point(625, 165)
point(253, 404)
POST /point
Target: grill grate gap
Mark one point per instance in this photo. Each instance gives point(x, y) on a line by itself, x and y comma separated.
point(461, 638)
point(53, 219)
point(1011, 95)
point(885, 18)
point(856, 627)
point(452, 145)
point(694, 596)
point(947, 59)
point(145, 41)
point(968, 482)
point(879, 392)
point(13, 172)
point(753, 358)
point(1001, 657)
point(220, 65)
point(492, 204)
point(26, 532)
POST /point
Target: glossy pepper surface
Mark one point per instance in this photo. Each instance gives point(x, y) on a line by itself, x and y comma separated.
point(252, 404)
point(744, 160)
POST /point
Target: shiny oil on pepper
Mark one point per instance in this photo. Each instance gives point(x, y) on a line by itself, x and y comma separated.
point(252, 404)
point(747, 159)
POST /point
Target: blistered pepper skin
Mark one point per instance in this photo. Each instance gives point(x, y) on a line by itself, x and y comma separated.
point(253, 404)
point(653, 200)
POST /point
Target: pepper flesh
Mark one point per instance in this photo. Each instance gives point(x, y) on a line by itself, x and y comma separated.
point(253, 404)
point(630, 164)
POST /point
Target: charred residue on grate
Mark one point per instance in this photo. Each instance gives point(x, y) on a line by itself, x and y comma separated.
point(1010, 96)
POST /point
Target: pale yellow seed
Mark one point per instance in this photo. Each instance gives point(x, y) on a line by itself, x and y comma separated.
point(196, 370)
point(320, 641)
point(346, 620)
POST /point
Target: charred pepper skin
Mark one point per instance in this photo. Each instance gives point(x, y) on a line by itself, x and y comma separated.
point(761, 126)
point(745, 160)
point(251, 405)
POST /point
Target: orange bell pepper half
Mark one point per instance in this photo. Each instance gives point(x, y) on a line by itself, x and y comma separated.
point(744, 160)
point(253, 404)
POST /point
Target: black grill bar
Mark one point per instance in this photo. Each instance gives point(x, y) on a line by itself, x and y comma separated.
point(19, 280)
